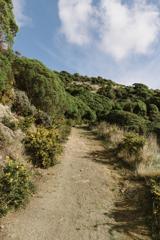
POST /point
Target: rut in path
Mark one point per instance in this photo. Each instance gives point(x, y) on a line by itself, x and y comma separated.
point(85, 197)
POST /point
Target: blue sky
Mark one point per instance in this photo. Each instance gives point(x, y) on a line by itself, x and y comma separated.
point(116, 39)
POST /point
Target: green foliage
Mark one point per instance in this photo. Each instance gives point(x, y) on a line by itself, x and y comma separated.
point(107, 91)
point(132, 143)
point(128, 106)
point(142, 91)
point(78, 110)
point(100, 105)
point(25, 123)
point(155, 127)
point(153, 111)
point(43, 146)
point(5, 73)
point(130, 148)
point(64, 128)
point(155, 99)
point(129, 121)
point(8, 122)
point(15, 186)
point(68, 78)
point(8, 27)
point(140, 108)
point(43, 87)
point(22, 105)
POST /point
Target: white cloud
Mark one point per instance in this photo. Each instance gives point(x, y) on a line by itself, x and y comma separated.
point(128, 30)
point(18, 8)
point(76, 16)
point(121, 29)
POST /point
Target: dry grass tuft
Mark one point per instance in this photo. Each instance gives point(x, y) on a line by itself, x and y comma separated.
point(150, 164)
point(111, 133)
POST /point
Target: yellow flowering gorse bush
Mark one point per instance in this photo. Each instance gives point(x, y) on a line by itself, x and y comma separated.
point(15, 185)
point(43, 146)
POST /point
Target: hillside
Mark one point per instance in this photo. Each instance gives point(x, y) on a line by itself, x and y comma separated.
point(39, 107)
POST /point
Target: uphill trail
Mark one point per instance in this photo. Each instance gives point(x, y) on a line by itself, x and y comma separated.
point(85, 197)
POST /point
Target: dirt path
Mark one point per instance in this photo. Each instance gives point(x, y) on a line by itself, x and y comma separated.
point(82, 199)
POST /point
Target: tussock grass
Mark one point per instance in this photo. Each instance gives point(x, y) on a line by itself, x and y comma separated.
point(141, 152)
point(150, 163)
point(110, 133)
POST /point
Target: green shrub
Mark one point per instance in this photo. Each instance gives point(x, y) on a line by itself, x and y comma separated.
point(130, 147)
point(155, 99)
point(6, 78)
point(129, 121)
point(15, 186)
point(153, 112)
point(107, 91)
point(42, 86)
point(100, 105)
point(26, 123)
point(142, 91)
point(8, 122)
point(78, 110)
point(140, 108)
point(128, 106)
point(43, 146)
point(64, 128)
point(8, 27)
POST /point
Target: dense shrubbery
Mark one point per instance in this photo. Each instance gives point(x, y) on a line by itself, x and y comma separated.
point(141, 154)
point(98, 106)
point(43, 87)
point(78, 110)
point(6, 77)
point(8, 27)
point(43, 145)
point(15, 186)
point(129, 121)
point(45, 98)
point(10, 123)
point(130, 148)
point(68, 78)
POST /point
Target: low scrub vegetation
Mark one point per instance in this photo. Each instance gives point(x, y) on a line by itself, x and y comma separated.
point(43, 145)
point(10, 123)
point(47, 102)
point(150, 166)
point(140, 150)
point(15, 185)
point(130, 149)
point(142, 154)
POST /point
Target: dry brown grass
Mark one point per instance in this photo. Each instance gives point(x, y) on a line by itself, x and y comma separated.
point(111, 133)
point(150, 164)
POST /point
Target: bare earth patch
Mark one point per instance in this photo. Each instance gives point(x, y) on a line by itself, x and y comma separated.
point(86, 197)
